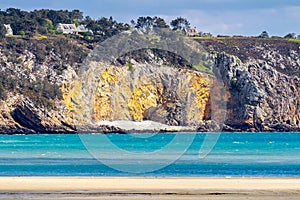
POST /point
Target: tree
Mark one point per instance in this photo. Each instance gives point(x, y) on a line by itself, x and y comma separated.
point(180, 24)
point(105, 27)
point(290, 35)
point(76, 15)
point(59, 16)
point(28, 26)
point(264, 34)
point(147, 23)
point(14, 12)
point(160, 23)
point(49, 25)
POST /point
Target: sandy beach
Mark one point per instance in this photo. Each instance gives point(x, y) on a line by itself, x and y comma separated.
point(145, 126)
point(113, 188)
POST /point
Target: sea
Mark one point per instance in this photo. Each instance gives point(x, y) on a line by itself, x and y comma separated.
point(152, 155)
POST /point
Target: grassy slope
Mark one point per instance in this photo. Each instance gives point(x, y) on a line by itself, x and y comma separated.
point(295, 40)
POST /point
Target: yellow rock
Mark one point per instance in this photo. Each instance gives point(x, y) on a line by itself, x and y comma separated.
point(120, 96)
point(70, 91)
point(102, 108)
point(200, 86)
point(143, 97)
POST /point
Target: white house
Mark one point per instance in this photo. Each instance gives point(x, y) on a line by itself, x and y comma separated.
point(71, 29)
point(67, 28)
point(191, 31)
point(9, 30)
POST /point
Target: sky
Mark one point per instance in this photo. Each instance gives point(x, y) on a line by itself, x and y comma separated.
point(224, 17)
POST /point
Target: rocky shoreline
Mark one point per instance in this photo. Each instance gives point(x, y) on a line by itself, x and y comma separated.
point(115, 128)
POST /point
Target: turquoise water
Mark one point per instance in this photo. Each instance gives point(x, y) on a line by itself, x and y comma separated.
point(234, 154)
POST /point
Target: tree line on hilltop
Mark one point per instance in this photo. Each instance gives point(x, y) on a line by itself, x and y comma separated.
point(45, 22)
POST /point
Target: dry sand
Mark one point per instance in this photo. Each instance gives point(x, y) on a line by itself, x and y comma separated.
point(114, 188)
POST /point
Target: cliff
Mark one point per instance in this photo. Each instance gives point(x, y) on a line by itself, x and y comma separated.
point(263, 84)
point(41, 89)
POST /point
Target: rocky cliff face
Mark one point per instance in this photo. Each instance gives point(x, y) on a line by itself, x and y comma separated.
point(263, 79)
point(32, 80)
point(260, 97)
point(260, 78)
point(163, 94)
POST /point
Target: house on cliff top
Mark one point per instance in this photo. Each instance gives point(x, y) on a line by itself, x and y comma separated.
point(190, 31)
point(72, 29)
point(9, 31)
point(67, 28)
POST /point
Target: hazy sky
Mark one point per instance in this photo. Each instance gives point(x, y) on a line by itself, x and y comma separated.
point(232, 17)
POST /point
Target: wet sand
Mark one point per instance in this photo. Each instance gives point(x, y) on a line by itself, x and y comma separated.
point(114, 188)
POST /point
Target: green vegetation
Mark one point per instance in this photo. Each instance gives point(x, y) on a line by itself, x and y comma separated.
point(294, 40)
point(45, 22)
point(103, 28)
point(201, 68)
point(37, 21)
point(130, 66)
point(22, 33)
